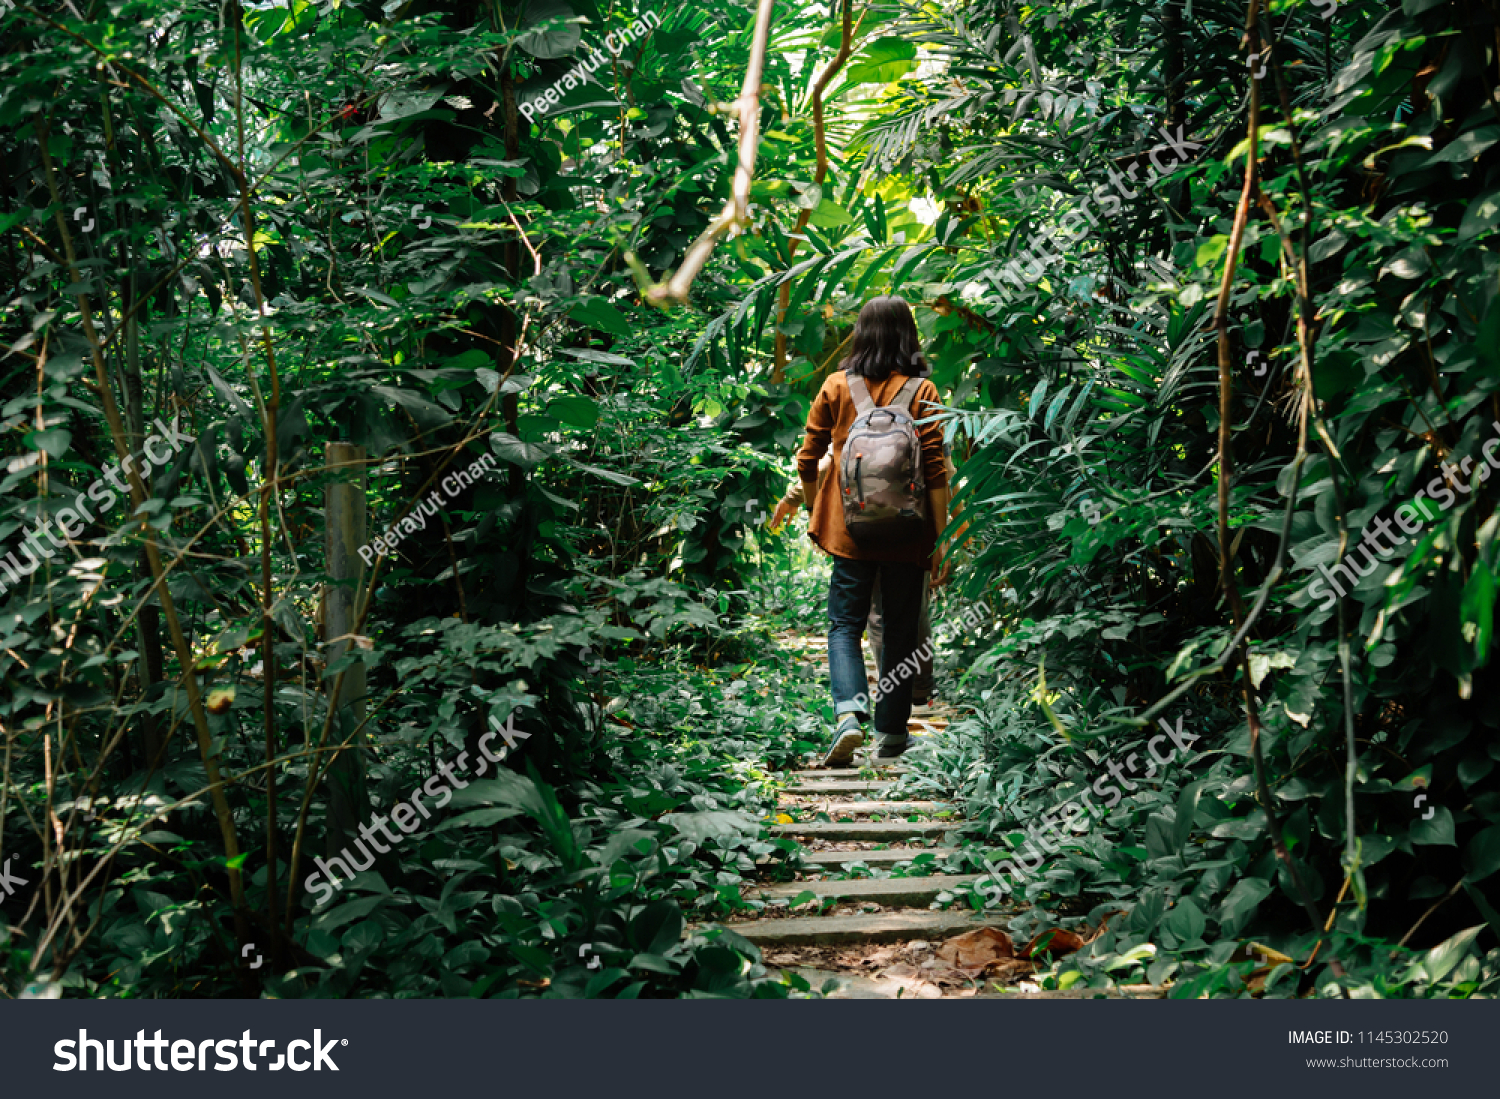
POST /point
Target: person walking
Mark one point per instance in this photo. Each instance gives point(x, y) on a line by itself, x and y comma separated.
point(879, 514)
point(922, 680)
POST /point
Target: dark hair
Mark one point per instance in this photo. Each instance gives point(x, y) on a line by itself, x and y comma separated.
point(885, 341)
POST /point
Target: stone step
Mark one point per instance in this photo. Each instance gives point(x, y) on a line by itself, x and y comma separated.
point(855, 986)
point(886, 891)
point(838, 787)
point(865, 807)
point(876, 832)
point(1118, 992)
point(873, 858)
point(850, 772)
point(878, 927)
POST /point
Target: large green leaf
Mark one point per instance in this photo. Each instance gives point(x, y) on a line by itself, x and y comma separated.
point(549, 31)
point(516, 451)
point(599, 313)
point(657, 928)
point(882, 61)
point(575, 411)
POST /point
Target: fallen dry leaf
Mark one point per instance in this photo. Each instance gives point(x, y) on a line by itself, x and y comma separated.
point(1010, 969)
point(974, 950)
point(1053, 941)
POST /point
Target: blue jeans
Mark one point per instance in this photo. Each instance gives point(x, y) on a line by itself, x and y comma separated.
point(921, 683)
point(849, 595)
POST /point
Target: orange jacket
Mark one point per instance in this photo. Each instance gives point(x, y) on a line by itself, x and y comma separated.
point(828, 425)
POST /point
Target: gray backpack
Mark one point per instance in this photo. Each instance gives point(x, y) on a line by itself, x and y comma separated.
point(881, 479)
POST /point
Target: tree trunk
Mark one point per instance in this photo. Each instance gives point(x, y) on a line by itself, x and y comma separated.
point(345, 526)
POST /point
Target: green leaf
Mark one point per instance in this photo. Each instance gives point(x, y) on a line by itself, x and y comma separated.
point(1038, 395)
point(532, 957)
point(1420, 779)
point(614, 477)
point(363, 937)
point(1210, 250)
point(830, 215)
point(1479, 607)
point(602, 980)
point(516, 452)
point(1482, 215)
point(654, 963)
point(226, 393)
point(1440, 960)
point(1240, 905)
point(575, 411)
point(870, 272)
point(882, 61)
point(1159, 836)
point(906, 263)
point(600, 314)
point(548, 33)
point(1466, 146)
point(1186, 921)
point(657, 928)
point(426, 414)
point(1482, 856)
point(472, 359)
point(1055, 407)
point(352, 910)
point(588, 354)
point(54, 441)
point(1187, 809)
point(1147, 913)
point(713, 825)
point(1438, 830)
point(480, 818)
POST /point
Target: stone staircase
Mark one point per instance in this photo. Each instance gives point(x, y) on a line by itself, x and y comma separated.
point(890, 914)
point(865, 828)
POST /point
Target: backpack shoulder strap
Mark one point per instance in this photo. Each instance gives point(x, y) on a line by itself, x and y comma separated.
point(908, 395)
point(863, 402)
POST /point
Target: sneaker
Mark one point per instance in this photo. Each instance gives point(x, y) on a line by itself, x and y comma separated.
point(848, 738)
point(923, 709)
point(893, 750)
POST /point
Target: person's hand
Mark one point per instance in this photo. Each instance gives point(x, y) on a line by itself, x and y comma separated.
point(784, 511)
point(941, 568)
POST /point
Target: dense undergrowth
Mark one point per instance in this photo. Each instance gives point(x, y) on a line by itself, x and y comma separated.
point(1173, 882)
point(517, 886)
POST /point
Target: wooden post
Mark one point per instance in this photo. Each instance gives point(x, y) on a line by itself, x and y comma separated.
point(344, 523)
